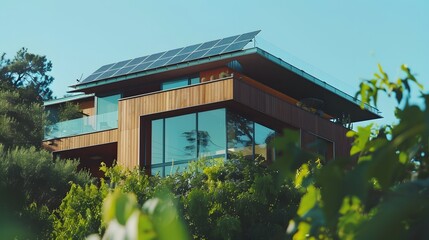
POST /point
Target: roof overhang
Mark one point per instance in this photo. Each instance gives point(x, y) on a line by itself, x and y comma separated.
point(67, 99)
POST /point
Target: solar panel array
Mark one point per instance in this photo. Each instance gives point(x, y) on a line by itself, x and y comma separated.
point(179, 55)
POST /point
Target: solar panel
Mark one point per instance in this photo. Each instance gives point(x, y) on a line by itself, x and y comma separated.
point(175, 56)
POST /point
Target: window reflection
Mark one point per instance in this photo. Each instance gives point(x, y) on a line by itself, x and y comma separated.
point(212, 133)
point(157, 141)
point(263, 142)
point(178, 140)
point(240, 134)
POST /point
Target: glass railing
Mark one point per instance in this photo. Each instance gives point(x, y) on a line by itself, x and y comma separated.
point(83, 125)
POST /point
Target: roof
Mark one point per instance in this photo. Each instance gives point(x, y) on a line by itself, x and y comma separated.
point(257, 64)
point(171, 57)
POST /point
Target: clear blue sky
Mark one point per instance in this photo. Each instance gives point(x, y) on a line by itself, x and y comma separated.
point(344, 40)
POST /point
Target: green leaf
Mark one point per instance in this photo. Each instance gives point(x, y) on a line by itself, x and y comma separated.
point(309, 200)
point(120, 206)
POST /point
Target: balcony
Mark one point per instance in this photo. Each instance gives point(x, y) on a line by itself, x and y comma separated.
point(85, 125)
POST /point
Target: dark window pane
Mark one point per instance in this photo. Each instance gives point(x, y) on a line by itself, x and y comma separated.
point(174, 84)
point(215, 51)
point(195, 80)
point(180, 138)
point(153, 57)
point(212, 133)
point(226, 41)
point(196, 55)
point(239, 134)
point(177, 59)
point(104, 68)
point(235, 47)
point(263, 139)
point(189, 49)
point(136, 61)
point(157, 141)
point(120, 64)
point(207, 45)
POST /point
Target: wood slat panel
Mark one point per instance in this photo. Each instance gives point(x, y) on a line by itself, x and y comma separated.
point(282, 109)
point(131, 109)
point(81, 141)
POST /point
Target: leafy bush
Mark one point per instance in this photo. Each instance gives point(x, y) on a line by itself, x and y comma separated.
point(79, 214)
point(31, 186)
point(237, 199)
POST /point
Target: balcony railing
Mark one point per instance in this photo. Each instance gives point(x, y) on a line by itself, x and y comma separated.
point(83, 125)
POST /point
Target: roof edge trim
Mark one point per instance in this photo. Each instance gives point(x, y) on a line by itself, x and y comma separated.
point(316, 80)
point(67, 99)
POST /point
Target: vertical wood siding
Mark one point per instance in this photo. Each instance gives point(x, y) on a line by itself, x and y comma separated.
point(131, 109)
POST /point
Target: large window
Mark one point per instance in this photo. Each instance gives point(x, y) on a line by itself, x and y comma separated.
point(176, 141)
point(170, 84)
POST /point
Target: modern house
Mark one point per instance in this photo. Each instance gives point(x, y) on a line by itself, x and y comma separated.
point(213, 99)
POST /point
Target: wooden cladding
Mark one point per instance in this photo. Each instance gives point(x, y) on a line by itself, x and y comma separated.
point(241, 90)
point(265, 102)
point(81, 141)
point(131, 109)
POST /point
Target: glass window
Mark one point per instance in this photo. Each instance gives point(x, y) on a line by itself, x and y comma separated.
point(240, 134)
point(157, 170)
point(108, 103)
point(174, 84)
point(180, 138)
point(107, 111)
point(212, 133)
point(194, 80)
point(157, 141)
point(172, 169)
point(263, 138)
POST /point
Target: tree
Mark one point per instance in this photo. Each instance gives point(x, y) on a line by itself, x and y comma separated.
point(21, 122)
point(27, 72)
point(24, 85)
point(31, 186)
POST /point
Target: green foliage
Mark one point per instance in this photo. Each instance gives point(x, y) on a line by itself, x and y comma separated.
point(21, 122)
point(234, 199)
point(382, 195)
point(158, 219)
point(27, 72)
point(79, 214)
point(31, 186)
point(69, 111)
